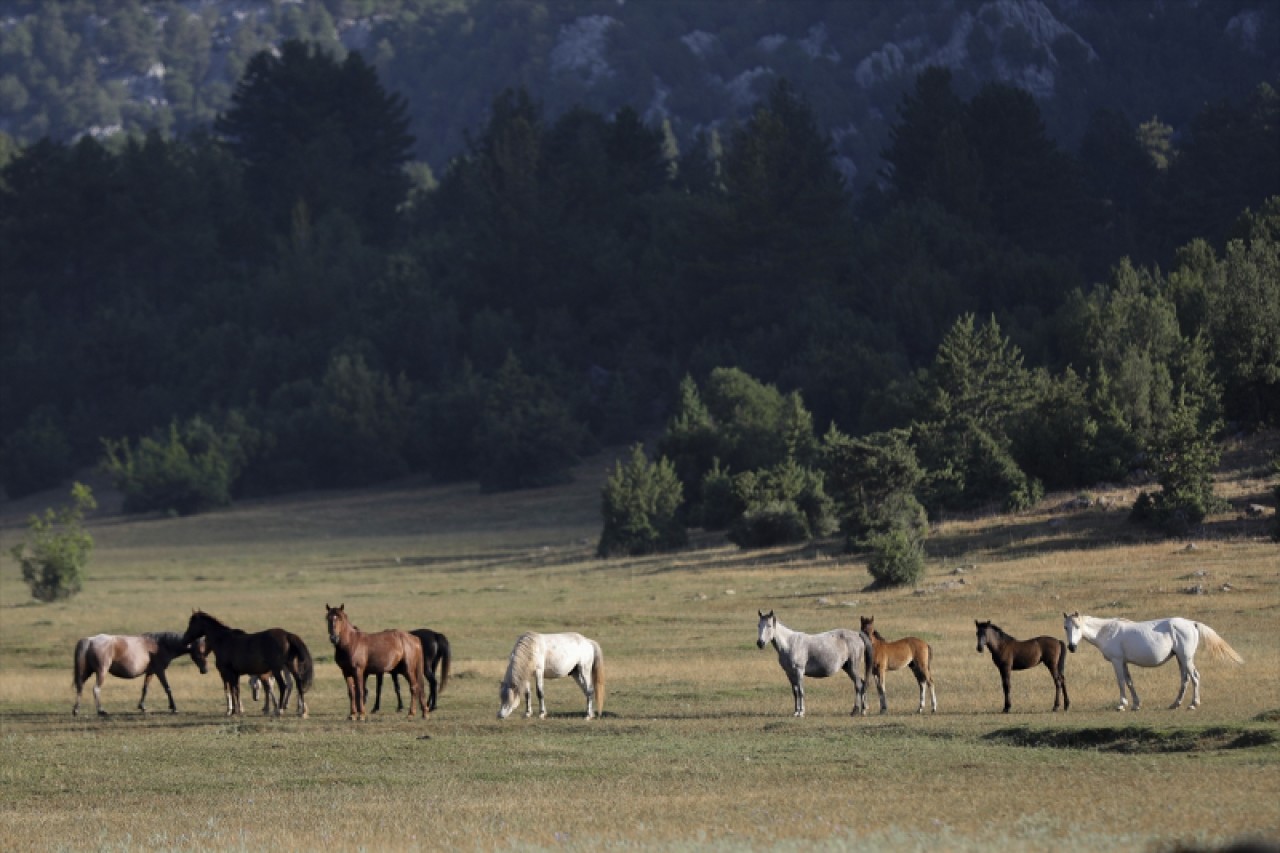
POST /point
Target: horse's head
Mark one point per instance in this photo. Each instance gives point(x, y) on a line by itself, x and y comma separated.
point(1073, 624)
point(983, 639)
point(509, 699)
point(868, 625)
point(196, 627)
point(199, 652)
point(767, 626)
point(335, 619)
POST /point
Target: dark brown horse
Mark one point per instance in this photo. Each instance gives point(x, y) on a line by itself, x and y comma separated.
point(129, 656)
point(1009, 654)
point(274, 651)
point(358, 653)
point(888, 657)
point(435, 655)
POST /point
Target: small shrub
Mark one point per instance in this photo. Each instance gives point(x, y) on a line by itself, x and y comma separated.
point(57, 550)
point(897, 558)
point(641, 504)
point(782, 504)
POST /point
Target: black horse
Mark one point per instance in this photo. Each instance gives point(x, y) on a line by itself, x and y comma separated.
point(275, 651)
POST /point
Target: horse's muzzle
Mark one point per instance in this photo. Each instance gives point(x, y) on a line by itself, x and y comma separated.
point(1071, 647)
point(759, 644)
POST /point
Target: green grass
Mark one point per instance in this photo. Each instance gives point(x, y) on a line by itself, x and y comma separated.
point(697, 748)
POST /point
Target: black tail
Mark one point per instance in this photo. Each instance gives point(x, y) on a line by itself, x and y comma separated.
point(305, 671)
point(445, 656)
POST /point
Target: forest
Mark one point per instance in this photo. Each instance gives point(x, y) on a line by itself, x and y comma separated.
point(279, 300)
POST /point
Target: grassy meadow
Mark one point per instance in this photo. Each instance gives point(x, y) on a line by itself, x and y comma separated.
point(697, 748)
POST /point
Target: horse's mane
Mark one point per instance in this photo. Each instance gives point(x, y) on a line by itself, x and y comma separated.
point(1003, 634)
point(214, 619)
point(170, 640)
point(521, 660)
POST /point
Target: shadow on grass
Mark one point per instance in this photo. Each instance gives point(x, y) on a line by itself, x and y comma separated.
point(1137, 739)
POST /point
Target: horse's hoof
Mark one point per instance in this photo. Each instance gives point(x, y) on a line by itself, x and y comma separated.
point(102, 713)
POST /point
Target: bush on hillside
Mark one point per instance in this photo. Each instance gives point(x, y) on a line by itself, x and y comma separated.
point(641, 503)
point(897, 557)
point(57, 550)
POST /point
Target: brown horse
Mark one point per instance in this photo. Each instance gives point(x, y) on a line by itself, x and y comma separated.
point(1009, 654)
point(888, 657)
point(358, 653)
point(435, 655)
point(274, 651)
point(128, 657)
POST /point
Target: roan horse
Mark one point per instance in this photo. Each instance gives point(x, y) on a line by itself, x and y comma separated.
point(888, 657)
point(435, 655)
point(1009, 654)
point(274, 651)
point(818, 656)
point(128, 657)
point(538, 656)
point(357, 653)
point(1149, 644)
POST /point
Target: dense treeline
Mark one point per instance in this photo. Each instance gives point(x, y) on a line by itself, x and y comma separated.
point(276, 303)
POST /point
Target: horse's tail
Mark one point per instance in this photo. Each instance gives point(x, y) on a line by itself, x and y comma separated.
point(1062, 658)
point(80, 664)
point(445, 656)
point(305, 671)
point(597, 677)
point(1215, 645)
point(868, 654)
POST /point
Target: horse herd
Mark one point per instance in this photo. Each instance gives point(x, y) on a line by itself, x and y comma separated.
point(278, 662)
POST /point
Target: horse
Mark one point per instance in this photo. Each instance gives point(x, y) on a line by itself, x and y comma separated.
point(435, 655)
point(274, 651)
point(128, 656)
point(537, 656)
point(357, 653)
point(888, 657)
point(818, 656)
point(1009, 654)
point(1149, 644)
point(262, 684)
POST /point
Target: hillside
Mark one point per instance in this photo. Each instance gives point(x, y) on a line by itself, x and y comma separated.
point(106, 69)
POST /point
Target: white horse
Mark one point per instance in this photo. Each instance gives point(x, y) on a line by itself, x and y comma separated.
point(536, 656)
point(818, 656)
point(1148, 644)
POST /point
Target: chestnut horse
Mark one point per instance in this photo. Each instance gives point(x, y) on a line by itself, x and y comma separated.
point(435, 655)
point(128, 657)
point(889, 657)
point(358, 653)
point(1009, 654)
point(275, 651)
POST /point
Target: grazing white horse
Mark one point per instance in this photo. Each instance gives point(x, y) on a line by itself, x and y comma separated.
point(1148, 644)
point(536, 656)
point(818, 656)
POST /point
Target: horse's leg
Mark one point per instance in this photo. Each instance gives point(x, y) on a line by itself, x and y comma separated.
point(580, 675)
point(1128, 679)
point(395, 683)
point(164, 682)
point(97, 691)
point(542, 698)
point(797, 693)
point(142, 702)
point(528, 701)
point(1118, 666)
point(235, 693)
point(921, 682)
point(879, 672)
point(1004, 682)
point(281, 677)
point(429, 673)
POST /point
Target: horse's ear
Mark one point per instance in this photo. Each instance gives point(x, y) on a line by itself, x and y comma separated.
point(343, 607)
point(760, 613)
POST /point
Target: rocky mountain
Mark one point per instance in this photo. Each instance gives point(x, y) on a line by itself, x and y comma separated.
point(112, 68)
